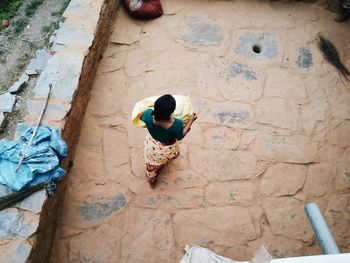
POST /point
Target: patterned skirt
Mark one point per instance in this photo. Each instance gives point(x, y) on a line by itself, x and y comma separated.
point(157, 155)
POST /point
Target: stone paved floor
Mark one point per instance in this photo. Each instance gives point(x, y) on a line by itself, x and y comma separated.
point(273, 133)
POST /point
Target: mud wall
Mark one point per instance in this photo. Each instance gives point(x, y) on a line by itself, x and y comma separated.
point(44, 237)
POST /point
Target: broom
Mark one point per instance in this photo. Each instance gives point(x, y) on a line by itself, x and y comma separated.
point(11, 199)
point(332, 56)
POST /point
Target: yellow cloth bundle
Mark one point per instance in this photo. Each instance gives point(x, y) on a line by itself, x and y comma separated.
point(183, 111)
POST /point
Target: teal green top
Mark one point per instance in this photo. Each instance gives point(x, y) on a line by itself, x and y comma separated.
point(166, 136)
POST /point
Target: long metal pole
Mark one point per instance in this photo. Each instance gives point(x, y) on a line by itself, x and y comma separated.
point(319, 225)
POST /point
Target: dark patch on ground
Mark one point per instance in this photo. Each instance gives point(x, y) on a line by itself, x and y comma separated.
point(96, 211)
point(305, 58)
point(235, 117)
point(237, 69)
point(202, 33)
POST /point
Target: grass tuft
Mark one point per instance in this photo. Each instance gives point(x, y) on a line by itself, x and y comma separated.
point(8, 9)
point(32, 6)
point(20, 24)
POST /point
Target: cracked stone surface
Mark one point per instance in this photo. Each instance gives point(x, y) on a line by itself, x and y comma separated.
point(39, 62)
point(7, 102)
point(20, 84)
point(15, 251)
point(273, 133)
point(24, 224)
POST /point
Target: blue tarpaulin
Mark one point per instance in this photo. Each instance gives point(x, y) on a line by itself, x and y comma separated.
point(42, 158)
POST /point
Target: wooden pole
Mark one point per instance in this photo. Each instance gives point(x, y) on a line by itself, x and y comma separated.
point(23, 155)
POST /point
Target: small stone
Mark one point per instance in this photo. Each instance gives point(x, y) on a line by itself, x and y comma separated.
point(52, 39)
point(287, 218)
point(15, 223)
point(283, 179)
point(17, 251)
point(33, 203)
point(31, 72)
point(7, 102)
point(38, 64)
point(20, 84)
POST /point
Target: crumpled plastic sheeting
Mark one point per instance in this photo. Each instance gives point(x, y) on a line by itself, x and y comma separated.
point(198, 254)
point(41, 161)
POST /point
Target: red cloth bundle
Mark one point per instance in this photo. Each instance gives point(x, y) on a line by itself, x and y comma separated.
point(143, 9)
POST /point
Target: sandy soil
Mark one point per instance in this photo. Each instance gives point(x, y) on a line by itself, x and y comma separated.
point(273, 133)
point(18, 49)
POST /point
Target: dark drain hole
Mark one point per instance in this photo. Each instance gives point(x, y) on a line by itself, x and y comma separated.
point(257, 49)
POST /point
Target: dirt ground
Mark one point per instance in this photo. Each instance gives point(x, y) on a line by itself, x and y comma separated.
point(16, 50)
point(273, 133)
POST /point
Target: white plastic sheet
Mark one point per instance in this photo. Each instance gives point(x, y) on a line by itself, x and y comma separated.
point(198, 254)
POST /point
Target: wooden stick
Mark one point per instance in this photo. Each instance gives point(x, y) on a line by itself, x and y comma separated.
point(35, 130)
point(11, 199)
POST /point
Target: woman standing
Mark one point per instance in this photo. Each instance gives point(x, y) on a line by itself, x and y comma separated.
point(161, 145)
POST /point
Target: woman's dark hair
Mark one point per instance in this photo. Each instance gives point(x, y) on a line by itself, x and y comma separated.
point(164, 107)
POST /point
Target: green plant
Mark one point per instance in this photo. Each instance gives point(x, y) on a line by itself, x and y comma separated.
point(20, 24)
point(32, 6)
point(335, 5)
point(2, 56)
point(22, 61)
point(49, 29)
point(8, 8)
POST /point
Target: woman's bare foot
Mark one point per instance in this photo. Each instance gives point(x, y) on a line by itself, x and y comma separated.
point(152, 181)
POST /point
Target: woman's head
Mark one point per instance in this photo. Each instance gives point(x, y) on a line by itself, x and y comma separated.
point(164, 107)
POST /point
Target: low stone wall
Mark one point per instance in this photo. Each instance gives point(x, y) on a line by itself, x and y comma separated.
point(29, 228)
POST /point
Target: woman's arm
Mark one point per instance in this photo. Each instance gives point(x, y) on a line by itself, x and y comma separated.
point(187, 128)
